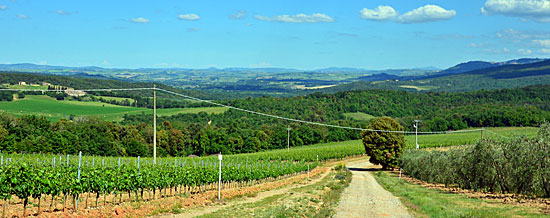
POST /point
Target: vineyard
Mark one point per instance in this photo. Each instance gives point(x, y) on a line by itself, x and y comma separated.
point(33, 179)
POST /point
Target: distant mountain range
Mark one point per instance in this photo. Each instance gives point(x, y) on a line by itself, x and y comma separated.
point(37, 67)
point(239, 82)
point(478, 66)
point(419, 71)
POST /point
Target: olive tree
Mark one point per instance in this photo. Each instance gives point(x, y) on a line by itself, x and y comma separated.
point(384, 148)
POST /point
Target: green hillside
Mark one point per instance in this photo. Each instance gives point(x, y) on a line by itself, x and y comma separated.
point(55, 110)
point(359, 116)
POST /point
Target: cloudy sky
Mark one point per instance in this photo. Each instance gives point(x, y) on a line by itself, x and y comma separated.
point(285, 33)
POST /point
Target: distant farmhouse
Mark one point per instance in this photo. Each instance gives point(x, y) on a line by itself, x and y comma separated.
point(75, 93)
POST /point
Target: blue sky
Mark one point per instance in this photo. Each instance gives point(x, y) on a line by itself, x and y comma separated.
point(292, 34)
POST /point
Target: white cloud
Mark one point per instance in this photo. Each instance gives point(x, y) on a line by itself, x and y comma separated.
point(512, 34)
point(61, 12)
point(139, 20)
point(544, 51)
point(522, 51)
point(3, 7)
point(239, 15)
point(43, 62)
point(298, 18)
point(22, 16)
point(106, 63)
point(538, 37)
point(542, 42)
point(190, 17)
point(427, 13)
point(380, 13)
point(477, 45)
point(537, 10)
point(496, 51)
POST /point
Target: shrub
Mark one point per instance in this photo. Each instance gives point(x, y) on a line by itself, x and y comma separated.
point(519, 165)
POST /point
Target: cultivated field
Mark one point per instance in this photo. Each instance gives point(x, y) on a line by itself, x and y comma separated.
point(56, 181)
point(452, 139)
point(54, 110)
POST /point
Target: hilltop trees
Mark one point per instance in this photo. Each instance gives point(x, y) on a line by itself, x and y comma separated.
point(384, 148)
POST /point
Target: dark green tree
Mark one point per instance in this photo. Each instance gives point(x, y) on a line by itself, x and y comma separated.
point(384, 148)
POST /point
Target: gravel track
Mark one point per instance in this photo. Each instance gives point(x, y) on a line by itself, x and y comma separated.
point(364, 197)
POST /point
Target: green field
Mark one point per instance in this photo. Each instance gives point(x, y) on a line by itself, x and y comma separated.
point(40, 87)
point(359, 116)
point(54, 110)
point(118, 99)
point(452, 139)
point(419, 88)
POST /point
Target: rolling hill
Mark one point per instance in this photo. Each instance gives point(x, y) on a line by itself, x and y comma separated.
point(518, 73)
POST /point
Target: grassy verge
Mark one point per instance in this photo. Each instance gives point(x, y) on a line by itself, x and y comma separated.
point(424, 202)
point(315, 200)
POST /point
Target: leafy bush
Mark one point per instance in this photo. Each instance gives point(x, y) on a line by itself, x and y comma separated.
point(384, 148)
point(519, 165)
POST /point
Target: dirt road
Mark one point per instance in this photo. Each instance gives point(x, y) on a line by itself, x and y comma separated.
point(364, 197)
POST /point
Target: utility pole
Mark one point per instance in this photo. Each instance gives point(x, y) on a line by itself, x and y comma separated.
point(154, 124)
point(416, 132)
point(288, 138)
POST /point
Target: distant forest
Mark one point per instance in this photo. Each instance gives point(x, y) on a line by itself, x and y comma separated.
point(238, 132)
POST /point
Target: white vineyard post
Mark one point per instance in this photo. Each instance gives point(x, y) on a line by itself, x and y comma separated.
point(400, 173)
point(67, 160)
point(79, 166)
point(220, 178)
point(416, 132)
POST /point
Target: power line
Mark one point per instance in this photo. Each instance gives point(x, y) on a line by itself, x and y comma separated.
point(310, 122)
point(252, 112)
point(82, 90)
